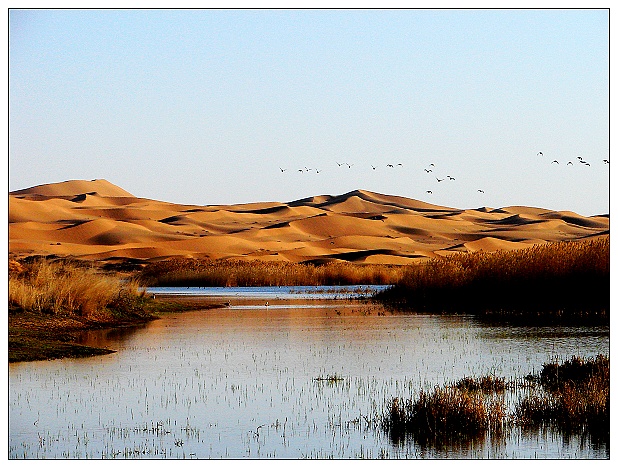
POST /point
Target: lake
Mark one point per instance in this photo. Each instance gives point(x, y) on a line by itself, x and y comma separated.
point(250, 380)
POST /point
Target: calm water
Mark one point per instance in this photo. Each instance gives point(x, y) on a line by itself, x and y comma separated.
point(241, 382)
point(275, 292)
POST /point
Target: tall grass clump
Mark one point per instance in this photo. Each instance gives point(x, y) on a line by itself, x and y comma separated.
point(485, 384)
point(571, 397)
point(63, 288)
point(575, 397)
point(196, 272)
point(447, 415)
point(562, 279)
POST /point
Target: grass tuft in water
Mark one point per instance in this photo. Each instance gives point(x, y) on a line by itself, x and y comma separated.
point(331, 379)
point(486, 384)
point(443, 416)
point(575, 397)
point(572, 397)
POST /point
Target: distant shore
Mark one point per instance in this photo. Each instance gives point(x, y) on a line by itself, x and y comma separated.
point(51, 301)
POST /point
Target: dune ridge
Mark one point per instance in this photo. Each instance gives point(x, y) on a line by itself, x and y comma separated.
point(99, 221)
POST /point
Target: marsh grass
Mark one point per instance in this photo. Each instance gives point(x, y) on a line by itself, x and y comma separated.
point(195, 272)
point(557, 280)
point(572, 397)
point(575, 397)
point(486, 384)
point(65, 288)
point(330, 379)
point(445, 416)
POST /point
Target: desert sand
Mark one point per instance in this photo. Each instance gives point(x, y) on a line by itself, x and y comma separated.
point(96, 220)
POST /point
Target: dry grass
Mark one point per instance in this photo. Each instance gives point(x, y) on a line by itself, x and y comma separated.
point(65, 288)
point(445, 416)
point(193, 272)
point(576, 397)
point(486, 384)
point(563, 279)
point(572, 397)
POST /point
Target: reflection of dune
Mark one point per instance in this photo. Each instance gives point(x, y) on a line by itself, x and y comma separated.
point(97, 220)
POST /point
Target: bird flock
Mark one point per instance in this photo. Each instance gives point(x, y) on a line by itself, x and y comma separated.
point(390, 166)
point(429, 170)
point(570, 163)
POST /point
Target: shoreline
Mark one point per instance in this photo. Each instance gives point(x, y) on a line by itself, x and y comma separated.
point(40, 337)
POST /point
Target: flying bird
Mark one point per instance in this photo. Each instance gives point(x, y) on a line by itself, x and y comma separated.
point(429, 191)
point(570, 162)
point(340, 164)
point(282, 170)
point(432, 164)
point(373, 167)
point(580, 158)
point(554, 161)
point(439, 180)
point(450, 178)
point(606, 161)
point(482, 191)
point(399, 164)
point(427, 171)
point(389, 165)
point(539, 154)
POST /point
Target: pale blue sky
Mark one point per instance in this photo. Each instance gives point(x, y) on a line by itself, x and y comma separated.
point(204, 107)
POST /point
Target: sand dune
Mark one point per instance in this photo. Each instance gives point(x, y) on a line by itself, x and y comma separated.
point(98, 220)
point(74, 188)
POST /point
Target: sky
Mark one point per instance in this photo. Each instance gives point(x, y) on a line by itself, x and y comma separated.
point(221, 106)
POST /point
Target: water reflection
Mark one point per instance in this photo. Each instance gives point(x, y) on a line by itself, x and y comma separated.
point(242, 382)
point(274, 292)
point(102, 338)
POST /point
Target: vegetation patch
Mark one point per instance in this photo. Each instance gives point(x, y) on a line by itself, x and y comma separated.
point(576, 397)
point(330, 379)
point(551, 282)
point(571, 397)
point(52, 301)
point(444, 416)
point(487, 384)
point(196, 272)
point(63, 288)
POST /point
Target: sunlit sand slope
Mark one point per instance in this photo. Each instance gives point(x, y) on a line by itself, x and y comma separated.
point(98, 220)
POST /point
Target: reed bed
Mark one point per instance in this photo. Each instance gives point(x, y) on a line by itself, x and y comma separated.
point(576, 397)
point(65, 288)
point(572, 397)
point(195, 272)
point(486, 384)
point(565, 279)
point(444, 416)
